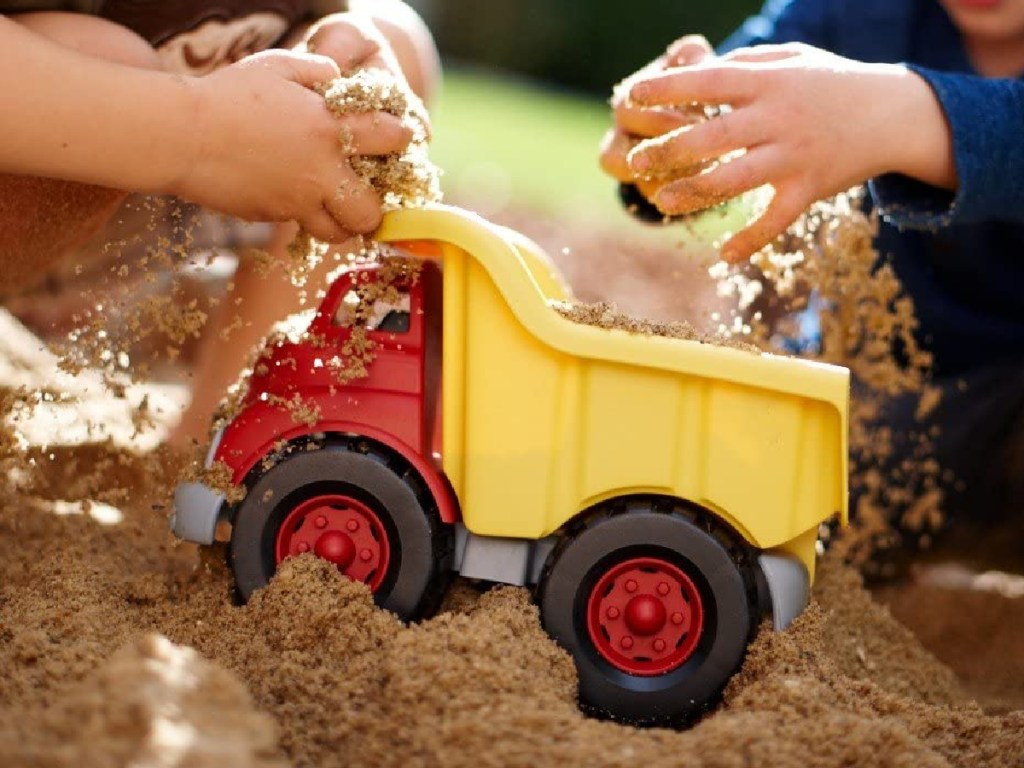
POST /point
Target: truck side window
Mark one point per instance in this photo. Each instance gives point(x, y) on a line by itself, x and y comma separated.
point(344, 315)
point(389, 317)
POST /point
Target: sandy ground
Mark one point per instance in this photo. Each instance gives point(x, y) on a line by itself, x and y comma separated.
point(119, 646)
point(99, 619)
point(965, 602)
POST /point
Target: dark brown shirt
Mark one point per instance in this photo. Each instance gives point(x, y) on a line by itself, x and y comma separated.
point(196, 36)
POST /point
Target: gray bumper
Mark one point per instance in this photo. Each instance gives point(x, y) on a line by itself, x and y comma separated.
point(789, 587)
point(197, 509)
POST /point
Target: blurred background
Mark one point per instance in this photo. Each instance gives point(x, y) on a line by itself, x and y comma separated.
point(578, 44)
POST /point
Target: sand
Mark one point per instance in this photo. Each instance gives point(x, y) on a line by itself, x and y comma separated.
point(951, 618)
point(607, 315)
point(403, 180)
point(868, 325)
point(121, 646)
point(99, 622)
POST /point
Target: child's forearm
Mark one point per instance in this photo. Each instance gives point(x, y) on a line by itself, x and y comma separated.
point(919, 145)
point(70, 116)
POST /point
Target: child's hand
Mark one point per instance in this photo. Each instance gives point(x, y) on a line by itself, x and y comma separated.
point(633, 124)
point(353, 41)
point(807, 122)
point(268, 149)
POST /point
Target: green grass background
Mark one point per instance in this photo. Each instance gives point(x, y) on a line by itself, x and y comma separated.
point(544, 141)
point(504, 140)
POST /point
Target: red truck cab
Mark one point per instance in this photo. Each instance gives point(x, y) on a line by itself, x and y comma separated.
point(313, 382)
point(397, 401)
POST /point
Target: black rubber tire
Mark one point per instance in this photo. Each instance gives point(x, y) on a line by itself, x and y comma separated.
point(727, 590)
point(421, 545)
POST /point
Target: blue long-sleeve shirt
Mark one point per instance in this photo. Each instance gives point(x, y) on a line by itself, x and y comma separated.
point(960, 255)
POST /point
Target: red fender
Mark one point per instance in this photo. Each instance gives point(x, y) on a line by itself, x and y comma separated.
point(435, 480)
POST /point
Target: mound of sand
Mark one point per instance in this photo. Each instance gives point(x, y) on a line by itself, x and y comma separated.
point(85, 683)
point(151, 703)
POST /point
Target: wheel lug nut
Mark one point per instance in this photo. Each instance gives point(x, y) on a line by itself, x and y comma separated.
point(632, 586)
point(663, 588)
point(627, 642)
point(659, 645)
point(366, 555)
point(612, 612)
point(352, 525)
point(320, 522)
point(677, 618)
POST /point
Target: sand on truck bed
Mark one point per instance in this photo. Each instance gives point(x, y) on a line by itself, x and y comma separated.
point(119, 646)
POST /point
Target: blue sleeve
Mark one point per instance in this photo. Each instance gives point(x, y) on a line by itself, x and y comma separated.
point(986, 120)
point(786, 21)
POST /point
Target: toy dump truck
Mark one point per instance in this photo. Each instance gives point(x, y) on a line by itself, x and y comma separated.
point(661, 495)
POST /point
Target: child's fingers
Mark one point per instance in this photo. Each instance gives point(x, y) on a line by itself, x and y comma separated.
point(765, 53)
point(689, 50)
point(324, 228)
point(717, 83)
point(356, 206)
point(614, 149)
point(306, 69)
point(347, 41)
point(374, 133)
point(717, 184)
point(383, 59)
point(649, 187)
point(354, 43)
point(690, 145)
point(783, 210)
point(650, 122)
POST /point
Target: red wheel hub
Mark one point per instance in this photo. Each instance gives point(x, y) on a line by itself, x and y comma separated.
point(645, 616)
point(341, 530)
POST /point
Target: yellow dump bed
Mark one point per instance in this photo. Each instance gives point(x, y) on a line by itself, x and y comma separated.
point(544, 417)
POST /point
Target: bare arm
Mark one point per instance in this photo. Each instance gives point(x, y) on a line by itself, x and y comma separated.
point(217, 140)
point(59, 118)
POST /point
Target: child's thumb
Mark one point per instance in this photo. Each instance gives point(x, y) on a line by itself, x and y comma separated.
point(306, 69)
